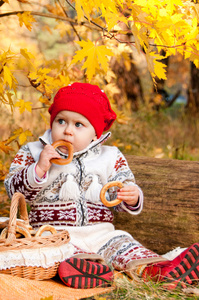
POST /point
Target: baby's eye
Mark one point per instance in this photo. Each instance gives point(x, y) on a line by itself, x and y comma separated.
point(78, 124)
point(61, 121)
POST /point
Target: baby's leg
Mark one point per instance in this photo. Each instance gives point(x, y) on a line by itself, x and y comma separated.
point(126, 254)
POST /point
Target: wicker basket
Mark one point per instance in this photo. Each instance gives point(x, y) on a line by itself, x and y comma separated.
point(32, 242)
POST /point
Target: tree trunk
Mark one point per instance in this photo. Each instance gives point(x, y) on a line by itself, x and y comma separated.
point(127, 77)
point(170, 217)
point(193, 93)
point(128, 82)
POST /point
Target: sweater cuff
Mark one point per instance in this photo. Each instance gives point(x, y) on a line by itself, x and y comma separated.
point(134, 209)
point(33, 178)
point(37, 178)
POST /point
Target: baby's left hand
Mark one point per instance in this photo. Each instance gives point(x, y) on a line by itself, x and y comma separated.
point(128, 194)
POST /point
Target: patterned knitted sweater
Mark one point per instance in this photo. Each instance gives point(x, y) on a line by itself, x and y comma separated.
point(68, 195)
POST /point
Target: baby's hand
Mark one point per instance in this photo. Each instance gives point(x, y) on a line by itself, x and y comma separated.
point(128, 194)
point(44, 163)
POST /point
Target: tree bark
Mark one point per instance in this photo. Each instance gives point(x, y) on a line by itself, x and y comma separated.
point(127, 77)
point(193, 93)
point(128, 82)
point(170, 217)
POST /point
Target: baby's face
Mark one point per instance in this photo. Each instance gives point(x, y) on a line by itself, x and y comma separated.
point(73, 128)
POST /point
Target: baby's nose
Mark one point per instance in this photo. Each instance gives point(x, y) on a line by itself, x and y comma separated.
point(68, 129)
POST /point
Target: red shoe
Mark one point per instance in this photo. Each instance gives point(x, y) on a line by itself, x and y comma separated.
point(187, 271)
point(82, 274)
point(182, 269)
point(157, 271)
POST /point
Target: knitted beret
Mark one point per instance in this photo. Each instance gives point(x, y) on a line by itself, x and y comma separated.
point(87, 100)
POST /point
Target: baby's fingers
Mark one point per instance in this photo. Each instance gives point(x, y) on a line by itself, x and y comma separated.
point(49, 152)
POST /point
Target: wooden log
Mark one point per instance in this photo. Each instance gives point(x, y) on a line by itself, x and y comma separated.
point(170, 217)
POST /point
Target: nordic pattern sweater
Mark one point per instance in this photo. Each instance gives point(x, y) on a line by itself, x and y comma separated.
point(68, 195)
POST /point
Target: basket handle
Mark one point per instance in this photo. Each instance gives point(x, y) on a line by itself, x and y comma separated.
point(18, 201)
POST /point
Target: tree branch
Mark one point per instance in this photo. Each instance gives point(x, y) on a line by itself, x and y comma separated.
point(72, 25)
point(72, 21)
point(46, 15)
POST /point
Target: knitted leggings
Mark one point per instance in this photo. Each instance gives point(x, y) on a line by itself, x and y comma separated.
point(118, 249)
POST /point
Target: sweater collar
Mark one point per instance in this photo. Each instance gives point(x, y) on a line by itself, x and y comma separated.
point(47, 139)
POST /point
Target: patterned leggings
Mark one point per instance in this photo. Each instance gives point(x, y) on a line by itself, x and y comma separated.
point(124, 253)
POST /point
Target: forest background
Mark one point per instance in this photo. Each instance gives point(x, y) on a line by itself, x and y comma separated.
point(143, 54)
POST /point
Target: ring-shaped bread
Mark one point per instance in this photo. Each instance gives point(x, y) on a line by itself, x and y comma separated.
point(44, 228)
point(63, 161)
point(104, 190)
point(19, 229)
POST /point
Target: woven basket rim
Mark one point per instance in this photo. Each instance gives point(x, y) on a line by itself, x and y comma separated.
point(54, 240)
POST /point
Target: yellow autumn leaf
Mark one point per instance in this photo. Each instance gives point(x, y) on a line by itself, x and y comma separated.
point(9, 77)
point(15, 134)
point(44, 100)
point(10, 139)
point(27, 19)
point(63, 80)
point(156, 68)
point(9, 96)
point(5, 148)
point(111, 18)
point(55, 9)
point(171, 5)
point(159, 69)
point(111, 89)
point(23, 105)
point(94, 56)
point(3, 173)
point(23, 136)
point(28, 55)
point(6, 97)
point(128, 147)
point(19, 134)
point(79, 10)
point(87, 7)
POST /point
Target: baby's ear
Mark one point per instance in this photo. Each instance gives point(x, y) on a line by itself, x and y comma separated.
point(95, 138)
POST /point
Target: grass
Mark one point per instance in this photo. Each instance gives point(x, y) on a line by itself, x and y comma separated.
point(164, 134)
point(128, 290)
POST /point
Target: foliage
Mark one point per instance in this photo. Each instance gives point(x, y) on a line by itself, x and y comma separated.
point(93, 32)
point(89, 34)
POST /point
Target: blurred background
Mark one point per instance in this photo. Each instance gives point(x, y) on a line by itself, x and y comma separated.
point(153, 120)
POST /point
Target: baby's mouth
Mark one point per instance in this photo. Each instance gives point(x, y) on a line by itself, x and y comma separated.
point(63, 149)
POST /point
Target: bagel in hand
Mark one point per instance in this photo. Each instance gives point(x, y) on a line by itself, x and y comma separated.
point(63, 161)
point(104, 190)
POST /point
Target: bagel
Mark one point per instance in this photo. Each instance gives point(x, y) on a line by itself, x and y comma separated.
point(63, 161)
point(104, 190)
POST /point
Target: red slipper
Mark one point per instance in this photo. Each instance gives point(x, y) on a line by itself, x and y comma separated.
point(187, 271)
point(83, 274)
point(182, 270)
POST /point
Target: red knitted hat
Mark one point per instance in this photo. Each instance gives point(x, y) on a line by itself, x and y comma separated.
point(87, 100)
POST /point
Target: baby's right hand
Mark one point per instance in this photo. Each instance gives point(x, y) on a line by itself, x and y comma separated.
point(44, 163)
